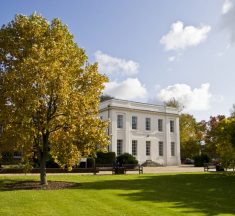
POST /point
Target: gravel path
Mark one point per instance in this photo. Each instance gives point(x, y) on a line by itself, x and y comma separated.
point(167, 169)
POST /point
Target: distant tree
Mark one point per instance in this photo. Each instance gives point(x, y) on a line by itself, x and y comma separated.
point(174, 103)
point(105, 97)
point(49, 94)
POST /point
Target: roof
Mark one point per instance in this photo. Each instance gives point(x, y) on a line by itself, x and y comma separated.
point(125, 104)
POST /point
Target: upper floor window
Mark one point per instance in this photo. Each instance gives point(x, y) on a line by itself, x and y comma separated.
point(119, 121)
point(119, 147)
point(134, 147)
point(148, 124)
point(148, 148)
point(160, 148)
point(172, 126)
point(160, 125)
point(172, 148)
point(134, 122)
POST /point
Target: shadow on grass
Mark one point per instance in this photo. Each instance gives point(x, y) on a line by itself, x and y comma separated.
point(211, 194)
point(12, 185)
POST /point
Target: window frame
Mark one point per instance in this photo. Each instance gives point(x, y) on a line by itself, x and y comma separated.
point(172, 126)
point(148, 148)
point(134, 122)
point(119, 147)
point(160, 149)
point(134, 148)
point(148, 124)
point(120, 121)
point(172, 149)
point(158, 125)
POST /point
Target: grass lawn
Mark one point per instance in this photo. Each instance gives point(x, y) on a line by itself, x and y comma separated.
point(149, 194)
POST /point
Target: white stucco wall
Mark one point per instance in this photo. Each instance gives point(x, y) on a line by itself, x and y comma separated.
point(111, 108)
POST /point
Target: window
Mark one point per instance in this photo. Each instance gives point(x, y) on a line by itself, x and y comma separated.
point(134, 147)
point(134, 122)
point(160, 148)
point(119, 121)
point(160, 125)
point(172, 148)
point(119, 147)
point(172, 126)
point(148, 124)
point(148, 148)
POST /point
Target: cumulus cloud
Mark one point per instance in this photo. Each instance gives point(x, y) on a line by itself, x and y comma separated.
point(228, 17)
point(227, 6)
point(180, 37)
point(193, 99)
point(110, 65)
point(129, 89)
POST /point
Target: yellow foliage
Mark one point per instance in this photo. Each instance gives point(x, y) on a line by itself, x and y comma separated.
point(49, 94)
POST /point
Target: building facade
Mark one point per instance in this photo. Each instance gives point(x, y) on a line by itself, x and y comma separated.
point(148, 132)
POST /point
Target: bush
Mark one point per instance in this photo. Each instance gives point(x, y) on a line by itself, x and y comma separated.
point(199, 160)
point(126, 158)
point(105, 157)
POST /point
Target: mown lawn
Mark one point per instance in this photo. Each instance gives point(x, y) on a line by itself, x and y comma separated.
point(153, 194)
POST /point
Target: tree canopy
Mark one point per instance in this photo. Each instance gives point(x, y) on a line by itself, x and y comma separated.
point(49, 93)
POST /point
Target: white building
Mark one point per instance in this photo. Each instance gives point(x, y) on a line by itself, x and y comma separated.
point(149, 132)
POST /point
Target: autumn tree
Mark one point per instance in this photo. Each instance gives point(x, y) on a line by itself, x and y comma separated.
point(211, 135)
point(189, 136)
point(49, 94)
point(225, 133)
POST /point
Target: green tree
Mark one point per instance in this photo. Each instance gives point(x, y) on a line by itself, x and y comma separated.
point(49, 94)
point(211, 135)
point(174, 103)
point(189, 136)
point(226, 141)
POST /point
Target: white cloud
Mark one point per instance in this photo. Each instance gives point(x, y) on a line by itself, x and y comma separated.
point(228, 17)
point(171, 58)
point(110, 65)
point(227, 6)
point(180, 36)
point(193, 99)
point(129, 89)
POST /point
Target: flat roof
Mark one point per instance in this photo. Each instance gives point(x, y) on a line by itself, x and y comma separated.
point(125, 104)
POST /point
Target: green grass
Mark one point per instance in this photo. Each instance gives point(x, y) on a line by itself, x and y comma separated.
point(153, 194)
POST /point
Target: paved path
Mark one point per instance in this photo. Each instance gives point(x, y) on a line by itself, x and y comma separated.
point(165, 169)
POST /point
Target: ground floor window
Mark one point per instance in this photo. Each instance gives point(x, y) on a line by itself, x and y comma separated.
point(172, 148)
point(148, 148)
point(119, 147)
point(160, 150)
point(134, 147)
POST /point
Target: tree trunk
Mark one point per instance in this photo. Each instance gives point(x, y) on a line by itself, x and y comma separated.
point(43, 178)
point(43, 159)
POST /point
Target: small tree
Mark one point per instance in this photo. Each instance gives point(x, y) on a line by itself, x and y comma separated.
point(126, 158)
point(49, 94)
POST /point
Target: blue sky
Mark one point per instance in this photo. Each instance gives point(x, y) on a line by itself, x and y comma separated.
point(153, 50)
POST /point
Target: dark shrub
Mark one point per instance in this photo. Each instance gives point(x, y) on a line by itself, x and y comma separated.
point(105, 157)
point(126, 158)
point(199, 160)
